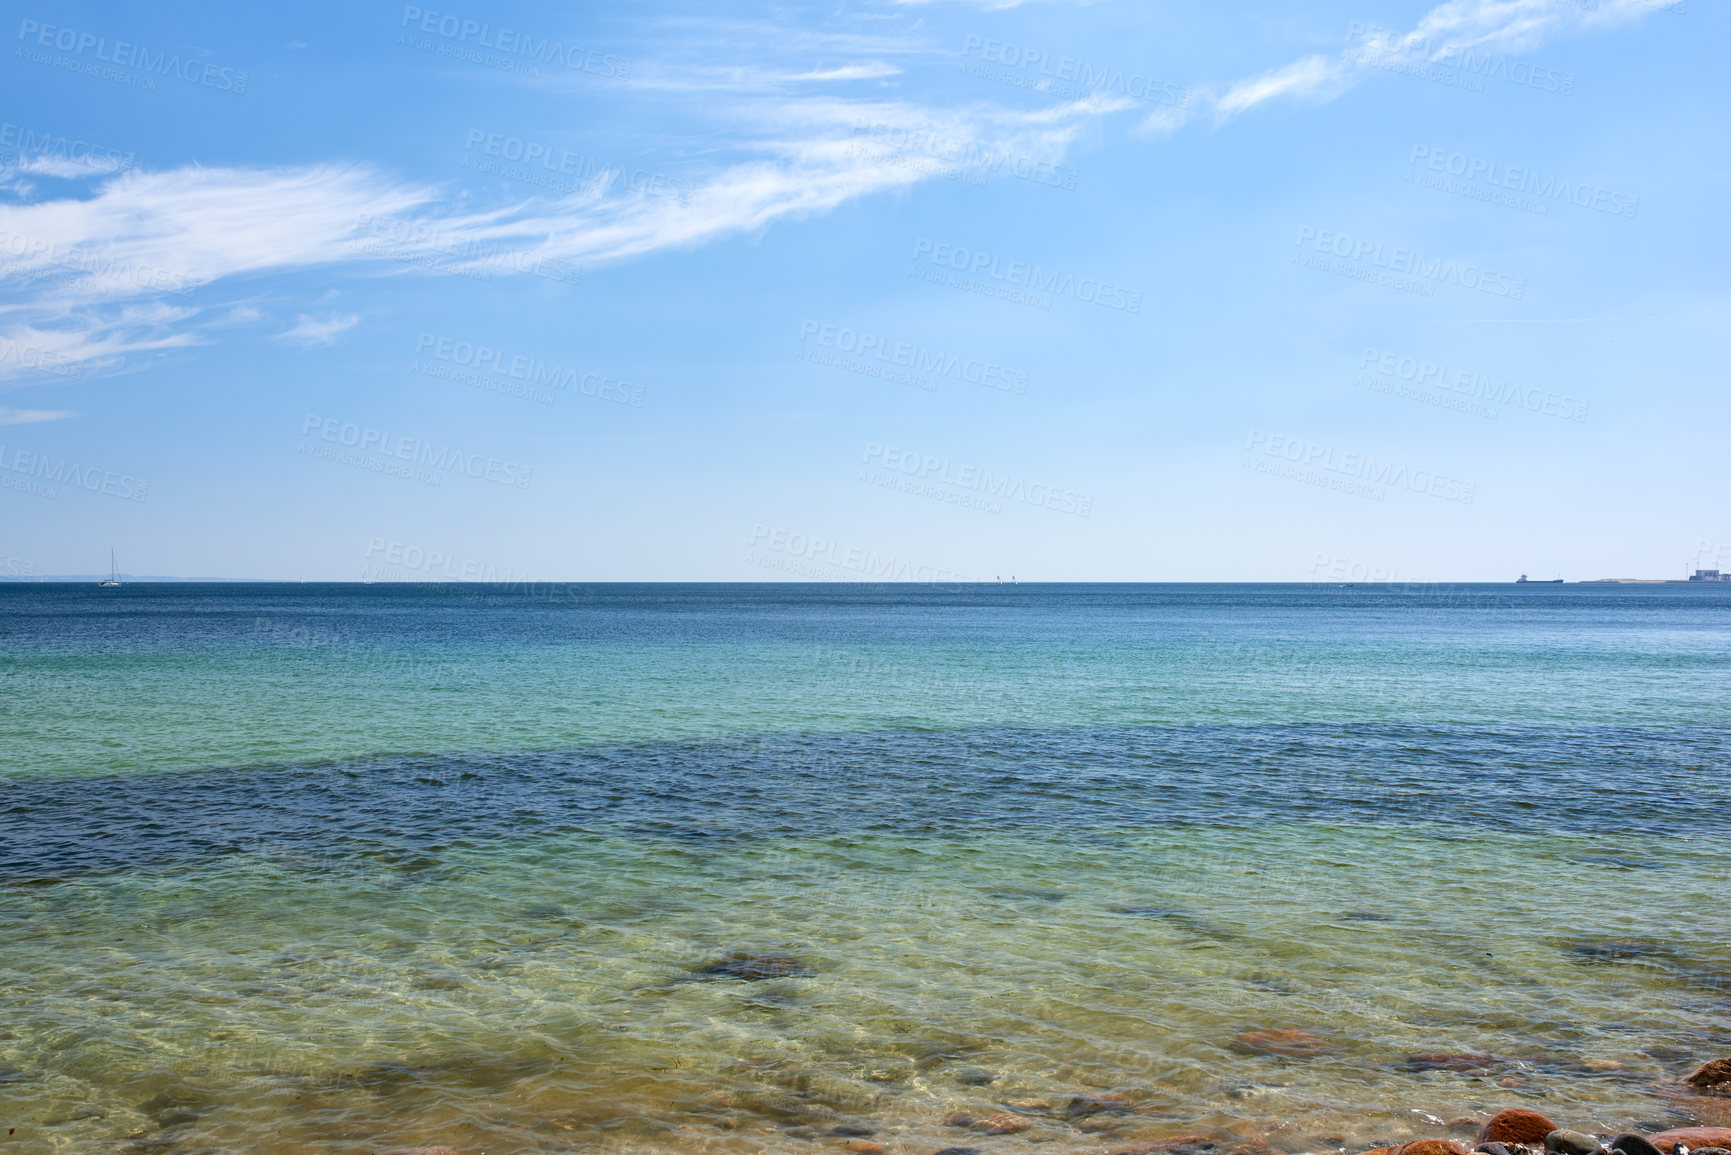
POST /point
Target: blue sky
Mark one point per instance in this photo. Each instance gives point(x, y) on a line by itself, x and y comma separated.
point(919, 291)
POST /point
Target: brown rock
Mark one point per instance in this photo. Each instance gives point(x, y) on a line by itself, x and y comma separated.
point(1002, 1123)
point(1517, 1125)
point(1380, 1151)
point(863, 1146)
point(1691, 1137)
point(1029, 1106)
point(1298, 1044)
point(1712, 1077)
point(1431, 1147)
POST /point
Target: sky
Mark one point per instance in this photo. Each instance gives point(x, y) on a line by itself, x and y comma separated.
point(930, 290)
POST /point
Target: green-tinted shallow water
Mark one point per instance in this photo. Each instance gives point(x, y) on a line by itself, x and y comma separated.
point(446, 872)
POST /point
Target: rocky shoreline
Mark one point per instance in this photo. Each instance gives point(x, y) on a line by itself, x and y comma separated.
point(1514, 1131)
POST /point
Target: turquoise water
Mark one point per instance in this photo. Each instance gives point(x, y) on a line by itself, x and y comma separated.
point(340, 868)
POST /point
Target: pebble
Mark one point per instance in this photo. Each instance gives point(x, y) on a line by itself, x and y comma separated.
point(1562, 1141)
point(1517, 1125)
point(1499, 1149)
point(1002, 1123)
point(852, 1129)
point(863, 1147)
point(975, 1077)
point(1431, 1147)
point(958, 1151)
point(1630, 1143)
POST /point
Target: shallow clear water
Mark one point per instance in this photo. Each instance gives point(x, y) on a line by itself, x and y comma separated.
point(301, 868)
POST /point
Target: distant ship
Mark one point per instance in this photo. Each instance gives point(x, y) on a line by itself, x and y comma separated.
point(113, 573)
point(1524, 580)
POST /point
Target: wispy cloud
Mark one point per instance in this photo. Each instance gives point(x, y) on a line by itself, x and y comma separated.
point(1443, 33)
point(315, 331)
point(31, 416)
point(129, 265)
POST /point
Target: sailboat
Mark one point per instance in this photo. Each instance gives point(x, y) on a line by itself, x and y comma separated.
point(113, 573)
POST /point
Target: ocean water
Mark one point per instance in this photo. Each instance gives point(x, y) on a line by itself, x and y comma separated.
point(339, 868)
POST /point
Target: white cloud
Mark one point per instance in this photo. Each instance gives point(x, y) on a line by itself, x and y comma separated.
point(1444, 32)
point(31, 416)
point(314, 331)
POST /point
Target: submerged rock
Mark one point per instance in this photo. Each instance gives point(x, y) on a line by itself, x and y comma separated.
point(1003, 1123)
point(1493, 1149)
point(1517, 1125)
point(1713, 1077)
point(1102, 1104)
point(1453, 1061)
point(1565, 1142)
point(753, 967)
point(1294, 1044)
point(1182, 1145)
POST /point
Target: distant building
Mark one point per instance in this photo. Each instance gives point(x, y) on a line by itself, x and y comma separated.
point(1709, 575)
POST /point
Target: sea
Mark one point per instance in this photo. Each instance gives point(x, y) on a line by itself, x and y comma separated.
point(799, 868)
